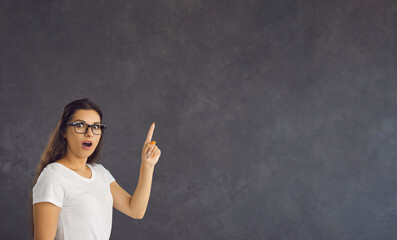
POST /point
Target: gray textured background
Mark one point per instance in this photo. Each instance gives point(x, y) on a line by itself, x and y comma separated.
point(276, 119)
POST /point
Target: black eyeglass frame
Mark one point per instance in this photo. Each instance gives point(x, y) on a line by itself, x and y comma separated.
point(103, 127)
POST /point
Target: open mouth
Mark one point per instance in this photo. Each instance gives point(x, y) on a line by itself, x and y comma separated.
point(87, 144)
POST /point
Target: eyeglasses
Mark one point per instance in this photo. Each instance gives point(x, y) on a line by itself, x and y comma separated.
point(81, 127)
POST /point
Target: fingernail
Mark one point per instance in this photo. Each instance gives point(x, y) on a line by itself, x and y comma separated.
point(152, 155)
point(153, 142)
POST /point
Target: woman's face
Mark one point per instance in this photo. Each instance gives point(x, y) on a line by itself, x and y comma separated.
point(75, 140)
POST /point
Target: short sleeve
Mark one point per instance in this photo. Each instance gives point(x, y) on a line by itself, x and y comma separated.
point(108, 176)
point(48, 189)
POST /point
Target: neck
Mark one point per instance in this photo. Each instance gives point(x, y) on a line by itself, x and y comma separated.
point(74, 162)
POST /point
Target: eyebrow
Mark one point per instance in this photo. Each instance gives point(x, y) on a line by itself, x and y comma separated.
point(83, 120)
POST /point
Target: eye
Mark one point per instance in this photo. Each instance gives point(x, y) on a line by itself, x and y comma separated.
point(80, 125)
point(96, 127)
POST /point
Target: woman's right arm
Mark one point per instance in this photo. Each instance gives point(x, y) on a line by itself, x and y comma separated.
point(45, 217)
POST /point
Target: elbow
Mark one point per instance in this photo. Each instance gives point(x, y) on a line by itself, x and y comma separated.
point(140, 216)
point(137, 216)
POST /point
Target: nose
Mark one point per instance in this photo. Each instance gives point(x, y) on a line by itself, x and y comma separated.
point(87, 132)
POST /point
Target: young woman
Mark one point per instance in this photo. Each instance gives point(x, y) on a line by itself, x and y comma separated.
point(73, 196)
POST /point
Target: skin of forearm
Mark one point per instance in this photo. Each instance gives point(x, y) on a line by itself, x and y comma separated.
point(140, 198)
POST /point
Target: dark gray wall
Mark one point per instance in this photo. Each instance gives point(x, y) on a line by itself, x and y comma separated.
point(276, 119)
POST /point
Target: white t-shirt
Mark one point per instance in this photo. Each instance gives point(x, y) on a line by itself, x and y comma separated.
point(86, 203)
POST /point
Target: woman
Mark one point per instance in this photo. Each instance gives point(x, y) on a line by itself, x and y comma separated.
point(73, 196)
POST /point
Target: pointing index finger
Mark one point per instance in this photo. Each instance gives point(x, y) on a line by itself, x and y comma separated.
point(150, 134)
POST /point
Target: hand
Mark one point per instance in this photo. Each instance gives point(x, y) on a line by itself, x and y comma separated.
point(150, 153)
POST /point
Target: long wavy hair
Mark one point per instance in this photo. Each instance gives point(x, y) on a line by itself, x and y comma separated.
point(56, 146)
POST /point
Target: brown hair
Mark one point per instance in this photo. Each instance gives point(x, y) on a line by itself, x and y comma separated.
point(56, 146)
